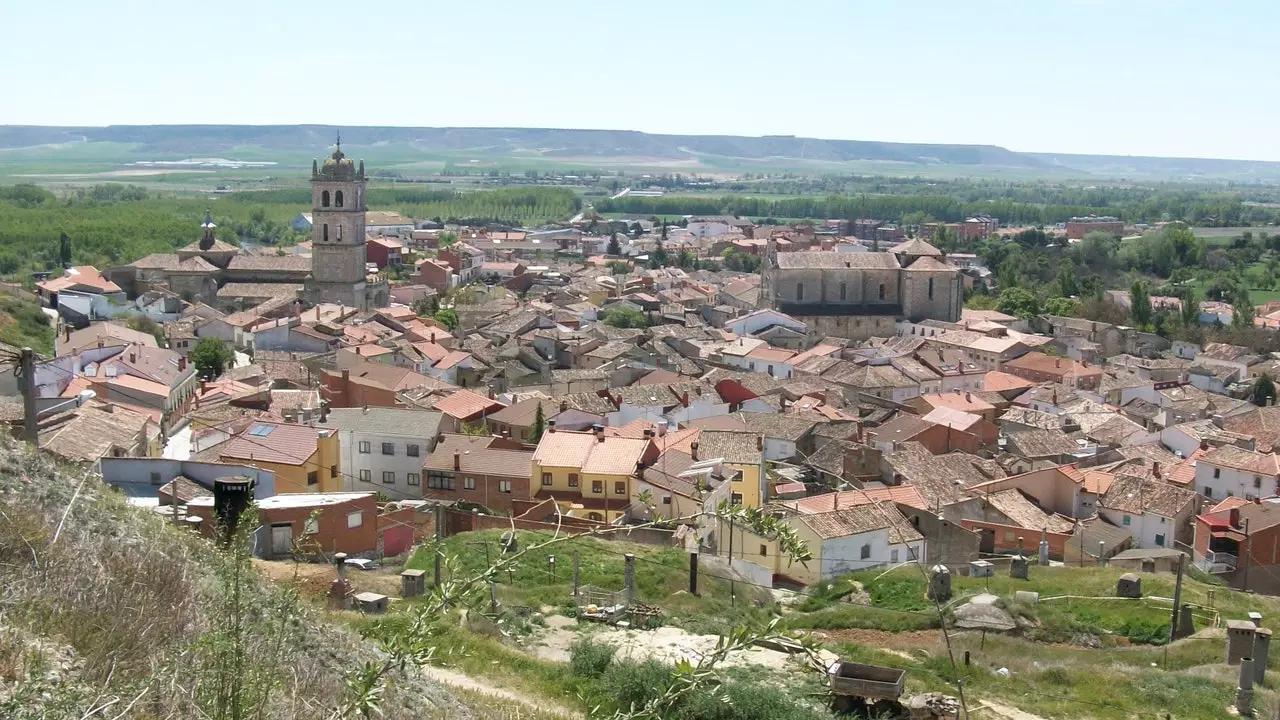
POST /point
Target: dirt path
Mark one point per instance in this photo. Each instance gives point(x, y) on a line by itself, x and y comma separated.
point(445, 676)
point(998, 711)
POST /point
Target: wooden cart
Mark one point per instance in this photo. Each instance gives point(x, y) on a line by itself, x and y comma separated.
point(870, 683)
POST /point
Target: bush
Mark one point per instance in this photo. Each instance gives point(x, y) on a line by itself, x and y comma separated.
point(634, 684)
point(588, 658)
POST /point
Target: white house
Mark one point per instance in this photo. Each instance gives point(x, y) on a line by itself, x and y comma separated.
point(771, 361)
point(1230, 471)
point(1155, 513)
point(1185, 438)
point(383, 449)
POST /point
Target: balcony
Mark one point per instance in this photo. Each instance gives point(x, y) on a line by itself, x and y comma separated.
point(1217, 562)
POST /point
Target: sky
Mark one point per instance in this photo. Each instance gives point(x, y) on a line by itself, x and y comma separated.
point(1130, 77)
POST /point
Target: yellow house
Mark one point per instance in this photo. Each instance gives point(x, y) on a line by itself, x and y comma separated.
point(304, 458)
point(589, 474)
point(740, 451)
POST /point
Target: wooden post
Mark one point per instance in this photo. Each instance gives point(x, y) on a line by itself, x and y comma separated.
point(1177, 602)
point(439, 536)
point(27, 378)
point(693, 573)
point(629, 578)
point(577, 576)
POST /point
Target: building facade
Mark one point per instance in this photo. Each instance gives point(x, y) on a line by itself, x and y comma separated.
point(861, 295)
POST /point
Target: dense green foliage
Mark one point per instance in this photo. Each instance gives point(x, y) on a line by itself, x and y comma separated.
point(211, 357)
point(624, 317)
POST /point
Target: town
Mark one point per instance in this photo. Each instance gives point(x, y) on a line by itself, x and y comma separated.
point(826, 413)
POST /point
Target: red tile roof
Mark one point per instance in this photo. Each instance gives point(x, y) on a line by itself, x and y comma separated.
point(466, 405)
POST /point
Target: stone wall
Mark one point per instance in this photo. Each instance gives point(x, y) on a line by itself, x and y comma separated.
point(854, 327)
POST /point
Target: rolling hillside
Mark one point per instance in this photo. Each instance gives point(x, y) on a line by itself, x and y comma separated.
point(291, 144)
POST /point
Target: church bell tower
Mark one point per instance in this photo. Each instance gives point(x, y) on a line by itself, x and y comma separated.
point(337, 231)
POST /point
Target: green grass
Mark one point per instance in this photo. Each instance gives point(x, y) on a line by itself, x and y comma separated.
point(661, 577)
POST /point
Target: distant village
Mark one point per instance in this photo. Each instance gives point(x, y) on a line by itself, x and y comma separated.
point(843, 387)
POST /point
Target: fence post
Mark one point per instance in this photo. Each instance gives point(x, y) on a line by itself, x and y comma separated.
point(576, 575)
point(629, 578)
point(693, 573)
point(439, 537)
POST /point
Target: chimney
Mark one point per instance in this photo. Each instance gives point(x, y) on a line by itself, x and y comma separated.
point(693, 451)
point(346, 375)
point(1057, 362)
point(133, 357)
point(564, 406)
point(1155, 469)
point(835, 500)
point(551, 426)
point(662, 428)
point(598, 429)
point(1234, 515)
point(366, 409)
point(491, 396)
point(66, 333)
point(433, 336)
point(648, 434)
point(182, 364)
point(457, 460)
point(1204, 444)
point(968, 397)
point(1217, 421)
point(203, 385)
point(684, 398)
point(297, 309)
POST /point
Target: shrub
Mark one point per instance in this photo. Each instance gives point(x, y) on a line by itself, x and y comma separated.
point(588, 658)
point(634, 684)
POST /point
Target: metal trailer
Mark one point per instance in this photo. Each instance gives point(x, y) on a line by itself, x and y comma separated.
point(849, 681)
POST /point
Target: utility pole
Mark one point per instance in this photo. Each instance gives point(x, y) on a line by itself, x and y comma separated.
point(1177, 600)
point(1244, 556)
point(439, 535)
point(27, 379)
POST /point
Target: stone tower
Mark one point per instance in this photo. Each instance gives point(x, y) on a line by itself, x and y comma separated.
point(337, 231)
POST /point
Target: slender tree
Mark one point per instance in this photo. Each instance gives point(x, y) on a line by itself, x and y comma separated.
point(1140, 303)
point(614, 248)
point(539, 424)
point(1242, 308)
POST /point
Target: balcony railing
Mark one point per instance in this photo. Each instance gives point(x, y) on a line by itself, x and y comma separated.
point(1218, 562)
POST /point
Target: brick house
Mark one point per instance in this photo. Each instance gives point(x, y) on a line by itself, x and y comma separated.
point(436, 275)
point(1077, 228)
point(1240, 542)
point(343, 522)
point(1039, 367)
point(383, 252)
point(481, 469)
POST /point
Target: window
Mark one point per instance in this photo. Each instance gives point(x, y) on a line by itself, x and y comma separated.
point(504, 486)
point(524, 434)
point(764, 551)
point(313, 478)
point(364, 447)
point(155, 478)
point(597, 486)
point(411, 450)
point(439, 480)
point(930, 288)
point(752, 364)
point(573, 479)
point(620, 488)
point(388, 477)
point(666, 499)
point(333, 471)
point(337, 199)
point(1257, 481)
point(324, 234)
point(1208, 492)
point(799, 292)
point(865, 553)
point(844, 291)
point(1127, 520)
point(735, 499)
point(1160, 540)
point(770, 371)
point(324, 199)
point(355, 519)
point(311, 527)
point(893, 556)
point(1217, 473)
point(469, 483)
point(339, 232)
point(413, 479)
point(366, 476)
point(1010, 536)
point(388, 448)
point(881, 291)
point(546, 479)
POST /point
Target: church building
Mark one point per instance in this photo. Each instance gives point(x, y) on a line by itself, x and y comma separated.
point(338, 270)
point(862, 295)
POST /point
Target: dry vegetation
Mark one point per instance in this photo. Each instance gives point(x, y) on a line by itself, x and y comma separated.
point(106, 611)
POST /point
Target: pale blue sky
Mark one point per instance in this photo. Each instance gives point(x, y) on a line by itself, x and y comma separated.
point(1139, 77)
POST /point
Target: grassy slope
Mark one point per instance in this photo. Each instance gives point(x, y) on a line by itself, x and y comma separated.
point(101, 602)
point(23, 324)
point(1051, 676)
